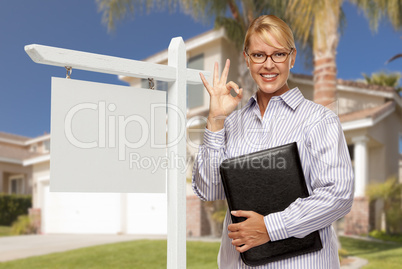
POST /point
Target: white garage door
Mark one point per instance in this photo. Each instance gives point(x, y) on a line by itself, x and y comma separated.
point(81, 212)
point(103, 213)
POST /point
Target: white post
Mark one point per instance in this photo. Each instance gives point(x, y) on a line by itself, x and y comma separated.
point(179, 76)
point(361, 165)
point(176, 178)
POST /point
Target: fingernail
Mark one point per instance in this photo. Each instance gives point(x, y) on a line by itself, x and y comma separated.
point(233, 212)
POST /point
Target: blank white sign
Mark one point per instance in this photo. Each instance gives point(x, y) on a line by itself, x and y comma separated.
point(107, 138)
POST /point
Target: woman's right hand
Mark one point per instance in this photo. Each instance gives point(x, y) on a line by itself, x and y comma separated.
point(222, 103)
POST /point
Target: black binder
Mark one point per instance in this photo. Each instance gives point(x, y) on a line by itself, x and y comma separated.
point(265, 182)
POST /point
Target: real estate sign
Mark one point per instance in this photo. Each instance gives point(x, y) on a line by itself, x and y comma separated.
point(107, 138)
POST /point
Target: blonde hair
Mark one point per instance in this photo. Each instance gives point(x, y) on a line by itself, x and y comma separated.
point(270, 24)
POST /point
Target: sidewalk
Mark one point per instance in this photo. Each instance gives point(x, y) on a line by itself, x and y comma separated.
point(23, 246)
point(354, 263)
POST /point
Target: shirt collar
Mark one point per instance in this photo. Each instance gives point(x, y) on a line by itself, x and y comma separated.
point(292, 98)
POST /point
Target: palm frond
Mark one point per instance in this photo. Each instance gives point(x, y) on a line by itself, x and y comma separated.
point(376, 10)
point(234, 30)
point(383, 78)
point(116, 10)
point(394, 58)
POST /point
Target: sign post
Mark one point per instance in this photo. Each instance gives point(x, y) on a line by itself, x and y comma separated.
point(178, 75)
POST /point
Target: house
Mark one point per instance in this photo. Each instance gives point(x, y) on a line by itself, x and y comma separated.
point(25, 169)
point(17, 154)
point(370, 116)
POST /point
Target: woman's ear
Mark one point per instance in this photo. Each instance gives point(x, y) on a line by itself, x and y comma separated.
point(246, 59)
point(293, 57)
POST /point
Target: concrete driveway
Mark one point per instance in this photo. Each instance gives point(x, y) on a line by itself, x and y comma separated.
point(23, 246)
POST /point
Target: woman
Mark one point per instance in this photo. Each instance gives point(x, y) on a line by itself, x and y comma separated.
point(274, 116)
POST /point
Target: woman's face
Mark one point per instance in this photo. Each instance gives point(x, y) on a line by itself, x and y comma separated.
point(270, 77)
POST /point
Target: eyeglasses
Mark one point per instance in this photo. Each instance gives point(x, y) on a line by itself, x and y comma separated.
point(277, 57)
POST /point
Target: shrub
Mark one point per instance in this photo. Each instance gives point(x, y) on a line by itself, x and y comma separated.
point(12, 206)
point(386, 237)
point(390, 193)
point(23, 225)
point(342, 254)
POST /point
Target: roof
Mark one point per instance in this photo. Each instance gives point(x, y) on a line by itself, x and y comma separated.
point(367, 117)
point(16, 154)
point(21, 140)
point(15, 148)
point(348, 83)
point(373, 113)
point(13, 138)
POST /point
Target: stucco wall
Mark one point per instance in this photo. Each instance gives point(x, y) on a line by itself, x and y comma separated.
point(351, 101)
point(387, 132)
point(40, 172)
point(8, 169)
point(306, 89)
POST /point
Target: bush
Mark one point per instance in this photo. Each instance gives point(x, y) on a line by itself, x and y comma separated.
point(342, 254)
point(390, 193)
point(386, 237)
point(23, 225)
point(12, 206)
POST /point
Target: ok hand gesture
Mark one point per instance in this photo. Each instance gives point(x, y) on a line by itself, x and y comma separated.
point(222, 103)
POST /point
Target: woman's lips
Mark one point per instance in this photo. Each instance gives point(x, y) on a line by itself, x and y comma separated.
point(269, 77)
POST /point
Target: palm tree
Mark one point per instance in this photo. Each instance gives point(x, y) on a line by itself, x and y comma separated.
point(315, 23)
point(399, 55)
point(242, 13)
point(322, 20)
point(384, 79)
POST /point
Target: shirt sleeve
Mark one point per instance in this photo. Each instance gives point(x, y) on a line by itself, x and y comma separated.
point(332, 181)
point(206, 182)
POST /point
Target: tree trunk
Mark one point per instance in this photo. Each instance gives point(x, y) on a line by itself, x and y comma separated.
point(326, 39)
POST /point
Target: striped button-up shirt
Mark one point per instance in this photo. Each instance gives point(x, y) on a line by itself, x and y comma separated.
point(326, 165)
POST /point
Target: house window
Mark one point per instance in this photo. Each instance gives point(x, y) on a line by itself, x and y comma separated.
point(46, 145)
point(195, 93)
point(16, 184)
point(33, 148)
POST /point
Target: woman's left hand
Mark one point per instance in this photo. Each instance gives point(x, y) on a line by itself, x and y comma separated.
point(249, 233)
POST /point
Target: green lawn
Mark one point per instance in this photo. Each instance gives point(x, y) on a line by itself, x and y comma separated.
point(5, 230)
point(151, 254)
point(148, 254)
point(379, 255)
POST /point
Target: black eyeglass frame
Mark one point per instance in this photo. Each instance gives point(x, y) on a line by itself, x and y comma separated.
point(270, 56)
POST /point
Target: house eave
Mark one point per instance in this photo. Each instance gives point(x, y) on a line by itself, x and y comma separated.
point(190, 44)
point(36, 160)
point(345, 88)
point(365, 123)
point(364, 91)
point(27, 142)
point(38, 139)
point(10, 160)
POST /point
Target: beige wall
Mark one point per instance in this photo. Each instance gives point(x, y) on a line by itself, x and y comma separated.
point(387, 133)
point(8, 169)
point(351, 101)
point(40, 173)
point(306, 89)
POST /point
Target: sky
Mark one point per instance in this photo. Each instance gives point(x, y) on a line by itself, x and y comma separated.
point(76, 24)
